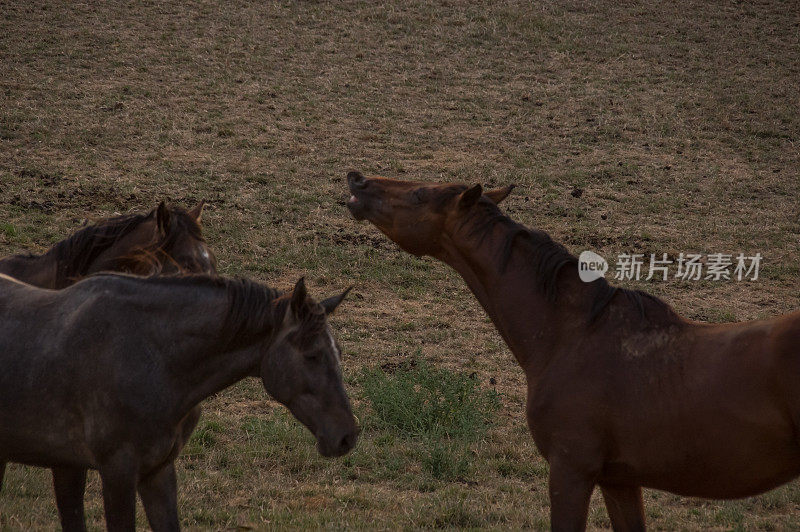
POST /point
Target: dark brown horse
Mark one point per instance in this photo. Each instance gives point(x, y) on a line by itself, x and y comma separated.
point(622, 392)
point(104, 374)
point(167, 240)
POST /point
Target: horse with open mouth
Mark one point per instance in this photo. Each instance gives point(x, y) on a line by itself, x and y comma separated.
point(622, 392)
point(165, 241)
point(104, 373)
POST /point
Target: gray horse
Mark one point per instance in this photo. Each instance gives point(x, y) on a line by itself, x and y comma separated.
point(168, 240)
point(102, 375)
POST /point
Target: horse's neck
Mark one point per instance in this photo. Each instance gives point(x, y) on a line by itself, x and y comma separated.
point(209, 364)
point(531, 325)
point(210, 372)
point(37, 270)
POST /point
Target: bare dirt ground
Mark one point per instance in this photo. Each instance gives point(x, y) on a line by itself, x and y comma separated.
point(628, 128)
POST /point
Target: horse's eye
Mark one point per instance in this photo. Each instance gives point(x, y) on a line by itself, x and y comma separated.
point(418, 195)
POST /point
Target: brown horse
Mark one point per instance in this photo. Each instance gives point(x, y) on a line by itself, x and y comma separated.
point(166, 240)
point(104, 374)
point(622, 392)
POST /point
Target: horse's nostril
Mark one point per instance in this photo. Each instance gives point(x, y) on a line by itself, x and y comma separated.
point(347, 442)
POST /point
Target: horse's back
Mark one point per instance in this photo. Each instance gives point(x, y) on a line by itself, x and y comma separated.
point(52, 341)
point(8, 281)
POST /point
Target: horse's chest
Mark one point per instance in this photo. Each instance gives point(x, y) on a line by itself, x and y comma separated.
point(563, 420)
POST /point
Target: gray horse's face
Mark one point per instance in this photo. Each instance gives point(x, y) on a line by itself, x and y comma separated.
point(302, 371)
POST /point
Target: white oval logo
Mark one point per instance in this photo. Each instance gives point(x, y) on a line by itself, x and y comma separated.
point(591, 266)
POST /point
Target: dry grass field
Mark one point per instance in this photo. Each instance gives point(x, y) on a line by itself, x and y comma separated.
point(678, 122)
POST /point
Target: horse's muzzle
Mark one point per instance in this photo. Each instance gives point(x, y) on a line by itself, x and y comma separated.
point(339, 445)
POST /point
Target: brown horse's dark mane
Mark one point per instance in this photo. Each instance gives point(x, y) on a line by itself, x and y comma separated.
point(548, 258)
point(76, 253)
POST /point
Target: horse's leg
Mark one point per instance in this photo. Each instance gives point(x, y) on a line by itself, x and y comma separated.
point(187, 425)
point(158, 489)
point(159, 493)
point(119, 492)
point(69, 484)
point(570, 492)
point(2, 474)
point(625, 507)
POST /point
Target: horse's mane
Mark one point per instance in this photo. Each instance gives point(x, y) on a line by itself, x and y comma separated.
point(547, 258)
point(76, 253)
point(252, 308)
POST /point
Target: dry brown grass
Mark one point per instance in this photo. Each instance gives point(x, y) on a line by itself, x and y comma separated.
point(679, 121)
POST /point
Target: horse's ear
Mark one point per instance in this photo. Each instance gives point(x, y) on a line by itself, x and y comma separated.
point(162, 218)
point(470, 197)
point(299, 295)
point(331, 303)
point(499, 194)
point(196, 212)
